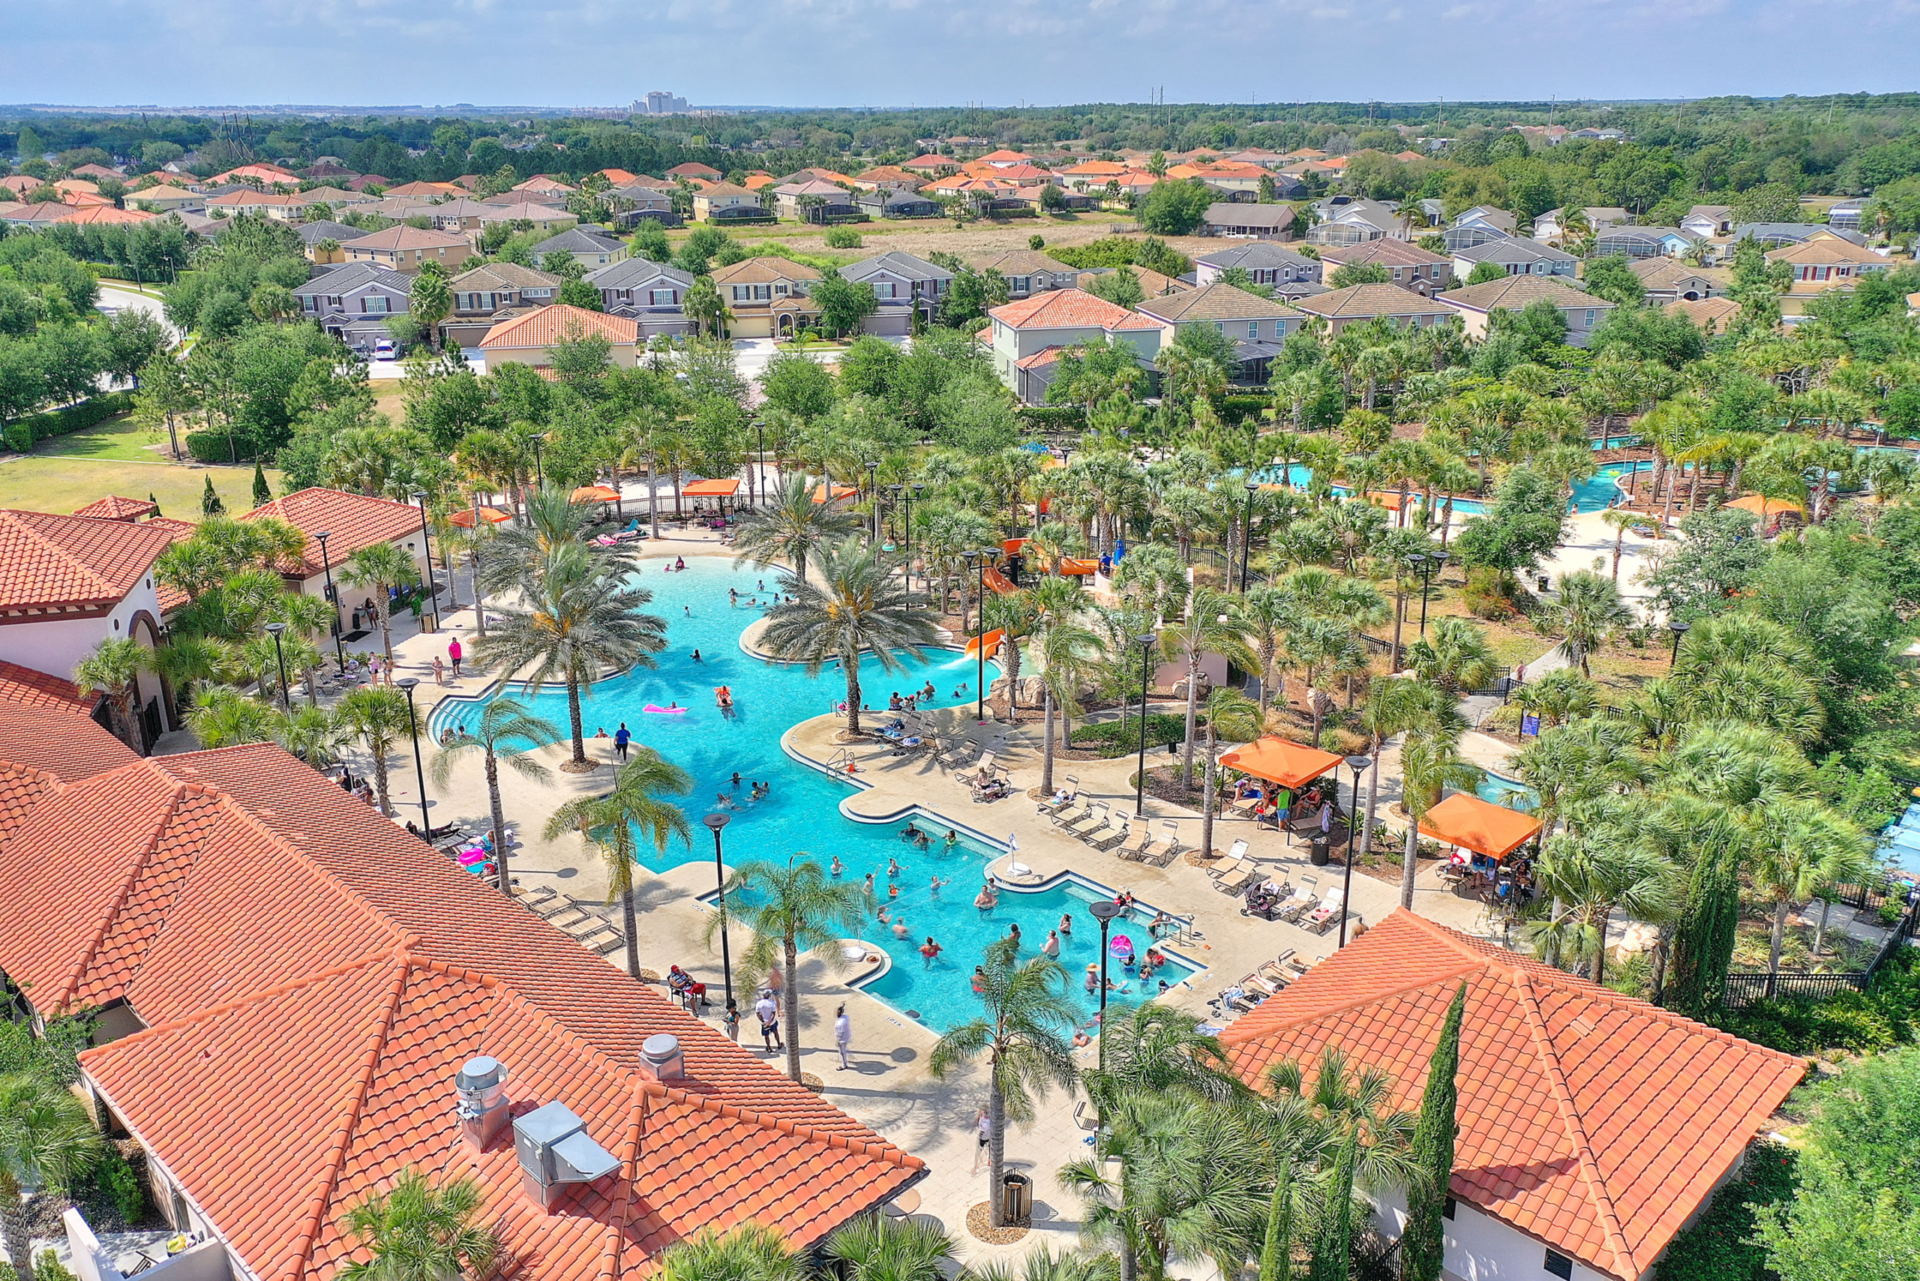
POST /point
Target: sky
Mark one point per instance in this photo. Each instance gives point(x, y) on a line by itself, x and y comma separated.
point(857, 53)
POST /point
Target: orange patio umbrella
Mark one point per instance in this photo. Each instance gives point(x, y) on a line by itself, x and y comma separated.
point(1766, 508)
point(594, 494)
point(491, 515)
point(1481, 826)
point(1277, 760)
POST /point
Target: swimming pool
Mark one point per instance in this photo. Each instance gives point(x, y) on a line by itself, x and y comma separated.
point(801, 814)
point(1509, 792)
point(1597, 493)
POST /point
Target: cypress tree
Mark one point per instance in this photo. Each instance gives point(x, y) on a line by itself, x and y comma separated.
point(1703, 938)
point(1422, 1245)
point(1276, 1256)
point(1333, 1243)
point(261, 494)
point(210, 504)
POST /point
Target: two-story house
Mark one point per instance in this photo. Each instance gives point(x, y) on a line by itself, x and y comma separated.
point(1352, 222)
point(1248, 222)
point(1477, 303)
point(1357, 304)
point(1516, 258)
point(315, 234)
point(406, 249)
point(904, 286)
point(1265, 264)
point(637, 203)
point(1406, 264)
point(1028, 336)
point(1257, 325)
point(814, 200)
point(491, 293)
point(1821, 265)
point(724, 202)
point(1708, 221)
point(1028, 272)
point(535, 217)
point(646, 292)
point(1668, 280)
point(1551, 226)
point(354, 300)
point(752, 287)
point(587, 247)
point(462, 214)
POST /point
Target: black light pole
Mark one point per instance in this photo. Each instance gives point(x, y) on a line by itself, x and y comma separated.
point(717, 821)
point(426, 539)
point(753, 473)
point(539, 475)
point(1146, 642)
point(1358, 764)
point(333, 599)
point(419, 771)
point(1104, 910)
point(896, 489)
point(1246, 538)
point(1678, 630)
point(873, 496)
point(913, 492)
point(286, 699)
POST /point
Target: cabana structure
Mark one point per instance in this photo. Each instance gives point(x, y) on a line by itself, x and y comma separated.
point(718, 490)
point(1469, 823)
point(1278, 760)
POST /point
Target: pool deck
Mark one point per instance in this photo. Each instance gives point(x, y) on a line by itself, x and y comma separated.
point(889, 1087)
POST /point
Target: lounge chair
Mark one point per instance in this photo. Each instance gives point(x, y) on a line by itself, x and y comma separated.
point(1237, 883)
point(1112, 836)
point(1275, 971)
point(1321, 918)
point(1170, 847)
point(1300, 901)
point(1237, 853)
point(1074, 812)
point(1095, 817)
point(1245, 807)
point(1136, 844)
point(960, 753)
point(1072, 789)
point(981, 771)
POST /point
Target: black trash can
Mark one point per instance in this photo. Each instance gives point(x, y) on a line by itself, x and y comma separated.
point(1016, 1198)
point(1317, 849)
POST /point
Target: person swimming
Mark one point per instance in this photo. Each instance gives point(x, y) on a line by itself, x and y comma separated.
point(933, 888)
point(953, 838)
point(735, 782)
point(893, 868)
point(837, 867)
point(696, 655)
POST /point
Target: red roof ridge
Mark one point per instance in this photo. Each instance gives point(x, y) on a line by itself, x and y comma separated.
point(614, 1238)
point(780, 1124)
point(1570, 1119)
point(343, 1130)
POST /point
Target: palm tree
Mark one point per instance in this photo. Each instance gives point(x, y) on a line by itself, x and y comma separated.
point(1021, 1038)
point(790, 908)
point(416, 1231)
point(1586, 612)
point(224, 717)
point(1067, 652)
point(1587, 876)
point(1234, 716)
point(378, 718)
point(1154, 1048)
point(1429, 763)
point(1267, 614)
point(859, 606)
point(1454, 655)
point(113, 669)
point(618, 820)
point(576, 620)
point(1342, 1106)
point(1808, 848)
point(47, 1142)
point(506, 731)
point(877, 1248)
point(1211, 625)
point(749, 1252)
point(1421, 712)
point(790, 527)
point(1044, 1265)
point(314, 734)
point(381, 567)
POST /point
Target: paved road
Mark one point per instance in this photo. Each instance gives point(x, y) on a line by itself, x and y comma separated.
point(115, 298)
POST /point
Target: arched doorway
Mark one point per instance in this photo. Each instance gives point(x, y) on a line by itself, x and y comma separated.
point(154, 706)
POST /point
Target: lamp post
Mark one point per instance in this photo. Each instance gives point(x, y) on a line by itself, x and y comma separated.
point(1358, 764)
point(333, 599)
point(896, 489)
point(913, 492)
point(873, 496)
point(1427, 564)
point(715, 822)
point(286, 699)
point(1246, 538)
point(1146, 642)
point(426, 540)
point(419, 771)
point(1678, 630)
point(539, 475)
point(1103, 911)
point(753, 472)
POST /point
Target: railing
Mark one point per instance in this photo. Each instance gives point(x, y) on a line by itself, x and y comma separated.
point(1743, 988)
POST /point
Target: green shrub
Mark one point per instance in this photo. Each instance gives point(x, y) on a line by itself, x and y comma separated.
point(118, 1182)
point(22, 434)
point(1240, 406)
point(1719, 1245)
point(842, 238)
point(213, 447)
point(49, 1268)
point(1112, 739)
point(1055, 418)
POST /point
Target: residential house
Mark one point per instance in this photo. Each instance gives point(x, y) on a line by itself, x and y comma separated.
point(1487, 216)
point(1476, 233)
point(1345, 221)
point(321, 999)
point(1232, 178)
point(882, 177)
point(1356, 304)
point(1091, 175)
point(545, 185)
point(1708, 221)
point(1668, 280)
point(1642, 242)
point(1477, 303)
point(1551, 226)
point(1028, 336)
point(1821, 265)
point(1517, 257)
point(280, 206)
point(931, 165)
point(1028, 272)
point(105, 215)
point(97, 171)
point(506, 198)
point(646, 292)
point(354, 301)
point(1593, 1126)
point(1408, 265)
point(351, 523)
point(529, 338)
point(635, 204)
point(905, 286)
point(68, 583)
point(1258, 156)
point(1598, 135)
point(1004, 159)
point(588, 248)
point(462, 214)
point(491, 293)
point(1248, 222)
point(889, 202)
point(261, 174)
point(333, 197)
point(1152, 283)
point(166, 198)
point(405, 248)
point(1265, 264)
point(35, 215)
point(1257, 325)
point(1712, 315)
point(427, 190)
point(694, 169)
point(540, 217)
point(724, 202)
point(1845, 213)
point(814, 201)
point(1771, 235)
point(754, 290)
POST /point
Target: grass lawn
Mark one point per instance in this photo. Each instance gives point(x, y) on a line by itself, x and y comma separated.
point(62, 482)
point(119, 439)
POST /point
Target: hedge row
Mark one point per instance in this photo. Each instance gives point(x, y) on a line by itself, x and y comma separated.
point(213, 447)
point(1057, 418)
point(1114, 739)
point(22, 434)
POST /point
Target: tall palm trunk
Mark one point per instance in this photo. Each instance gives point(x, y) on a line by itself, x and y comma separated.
point(850, 663)
point(499, 816)
point(1207, 791)
point(574, 721)
point(996, 1149)
point(628, 917)
point(1399, 617)
point(1046, 756)
point(14, 1219)
point(653, 496)
point(479, 600)
point(383, 609)
point(1410, 863)
point(1267, 651)
point(1779, 939)
point(1193, 711)
point(380, 779)
point(790, 1011)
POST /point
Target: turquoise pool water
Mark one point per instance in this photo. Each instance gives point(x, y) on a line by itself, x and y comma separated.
point(801, 814)
point(1510, 792)
point(1594, 494)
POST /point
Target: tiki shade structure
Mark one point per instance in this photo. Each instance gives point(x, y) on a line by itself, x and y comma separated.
point(1277, 760)
point(491, 515)
point(1766, 508)
point(1481, 826)
point(712, 488)
point(594, 494)
point(991, 640)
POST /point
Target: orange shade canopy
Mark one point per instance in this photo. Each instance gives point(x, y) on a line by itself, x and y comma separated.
point(1280, 761)
point(1481, 826)
point(713, 488)
point(839, 492)
point(491, 515)
point(1766, 507)
point(594, 494)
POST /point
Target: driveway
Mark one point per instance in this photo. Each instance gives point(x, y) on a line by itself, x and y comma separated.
point(116, 298)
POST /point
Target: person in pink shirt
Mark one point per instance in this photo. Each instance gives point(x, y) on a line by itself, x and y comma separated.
point(453, 655)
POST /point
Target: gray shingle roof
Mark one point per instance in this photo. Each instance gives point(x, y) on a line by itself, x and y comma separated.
point(312, 233)
point(1234, 214)
point(638, 273)
point(904, 265)
point(1505, 251)
point(353, 275)
point(1254, 255)
point(575, 241)
point(1218, 301)
point(497, 276)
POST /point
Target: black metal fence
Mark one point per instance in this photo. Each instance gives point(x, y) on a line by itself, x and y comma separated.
point(1745, 988)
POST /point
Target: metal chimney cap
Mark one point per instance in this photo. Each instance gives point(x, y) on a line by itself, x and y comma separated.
point(660, 1047)
point(481, 1072)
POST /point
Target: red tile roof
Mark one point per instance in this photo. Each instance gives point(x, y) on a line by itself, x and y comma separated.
point(49, 561)
point(351, 521)
point(1068, 309)
point(106, 215)
point(545, 326)
point(312, 978)
point(24, 687)
point(1005, 157)
point(1589, 1120)
point(114, 507)
point(45, 742)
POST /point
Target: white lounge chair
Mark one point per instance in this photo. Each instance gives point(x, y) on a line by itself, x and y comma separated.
point(1072, 789)
point(1095, 818)
point(1322, 917)
point(982, 770)
point(1137, 843)
point(1300, 901)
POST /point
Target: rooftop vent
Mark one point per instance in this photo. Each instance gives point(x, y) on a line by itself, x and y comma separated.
point(661, 1058)
point(481, 1084)
point(554, 1151)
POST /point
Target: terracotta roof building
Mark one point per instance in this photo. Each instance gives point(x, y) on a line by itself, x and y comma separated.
point(114, 507)
point(350, 522)
point(1027, 335)
point(530, 339)
point(1711, 314)
point(280, 1072)
point(24, 687)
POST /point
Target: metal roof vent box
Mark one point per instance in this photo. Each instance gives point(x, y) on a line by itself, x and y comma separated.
point(662, 1059)
point(554, 1151)
point(481, 1084)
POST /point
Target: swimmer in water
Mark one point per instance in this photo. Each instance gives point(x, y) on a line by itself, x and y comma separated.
point(696, 655)
point(953, 838)
point(736, 780)
point(933, 889)
point(837, 867)
point(893, 868)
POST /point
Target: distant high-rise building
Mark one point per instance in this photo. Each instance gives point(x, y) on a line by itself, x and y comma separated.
point(660, 103)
